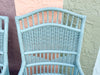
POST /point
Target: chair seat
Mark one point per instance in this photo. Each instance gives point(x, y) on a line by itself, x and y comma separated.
point(48, 74)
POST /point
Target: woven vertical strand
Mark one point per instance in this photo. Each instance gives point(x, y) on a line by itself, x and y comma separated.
point(0, 24)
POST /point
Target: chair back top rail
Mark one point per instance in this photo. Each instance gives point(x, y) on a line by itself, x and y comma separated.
point(50, 9)
point(75, 19)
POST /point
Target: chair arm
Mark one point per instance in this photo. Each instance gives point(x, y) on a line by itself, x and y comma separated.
point(22, 69)
point(78, 66)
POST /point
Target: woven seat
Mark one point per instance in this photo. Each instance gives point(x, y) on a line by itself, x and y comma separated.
point(50, 42)
point(4, 46)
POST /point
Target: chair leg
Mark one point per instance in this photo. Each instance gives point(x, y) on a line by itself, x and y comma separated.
point(75, 71)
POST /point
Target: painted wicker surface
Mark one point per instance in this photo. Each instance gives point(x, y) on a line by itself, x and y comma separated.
point(4, 70)
point(50, 47)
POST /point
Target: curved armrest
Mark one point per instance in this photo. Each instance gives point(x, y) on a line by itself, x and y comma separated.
point(79, 68)
point(5, 70)
point(22, 69)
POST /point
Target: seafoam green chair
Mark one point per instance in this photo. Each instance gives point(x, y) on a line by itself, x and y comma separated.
point(4, 70)
point(51, 46)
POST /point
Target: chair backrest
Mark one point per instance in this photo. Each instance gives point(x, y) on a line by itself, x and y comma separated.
point(50, 38)
point(3, 41)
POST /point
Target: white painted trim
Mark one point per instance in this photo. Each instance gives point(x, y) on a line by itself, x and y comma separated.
point(96, 70)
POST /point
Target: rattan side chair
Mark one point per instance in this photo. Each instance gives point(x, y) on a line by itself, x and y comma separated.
point(50, 42)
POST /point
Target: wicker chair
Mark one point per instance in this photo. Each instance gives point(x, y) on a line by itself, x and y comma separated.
point(4, 70)
point(50, 42)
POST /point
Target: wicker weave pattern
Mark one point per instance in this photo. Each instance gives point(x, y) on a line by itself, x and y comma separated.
point(50, 38)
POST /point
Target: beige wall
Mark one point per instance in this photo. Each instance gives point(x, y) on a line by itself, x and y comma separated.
point(91, 42)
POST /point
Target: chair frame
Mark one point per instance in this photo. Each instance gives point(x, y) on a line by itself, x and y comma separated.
point(17, 18)
point(5, 70)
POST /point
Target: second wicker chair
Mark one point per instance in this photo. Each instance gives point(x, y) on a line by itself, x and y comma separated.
point(4, 70)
